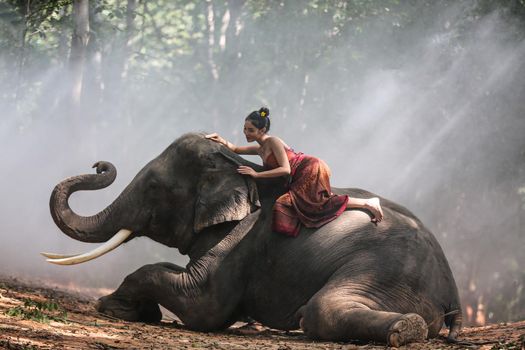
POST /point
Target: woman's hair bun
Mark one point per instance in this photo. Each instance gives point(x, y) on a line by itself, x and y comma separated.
point(264, 112)
point(260, 119)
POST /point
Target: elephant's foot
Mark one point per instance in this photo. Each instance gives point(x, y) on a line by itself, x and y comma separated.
point(407, 329)
point(136, 311)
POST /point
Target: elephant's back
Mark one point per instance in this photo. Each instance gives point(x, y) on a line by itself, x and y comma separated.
point(397, 254)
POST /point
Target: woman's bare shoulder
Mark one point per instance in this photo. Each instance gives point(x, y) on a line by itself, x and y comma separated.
point(276, 141)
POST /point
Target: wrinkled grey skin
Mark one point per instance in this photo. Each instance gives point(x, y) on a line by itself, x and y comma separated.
point(350, 279)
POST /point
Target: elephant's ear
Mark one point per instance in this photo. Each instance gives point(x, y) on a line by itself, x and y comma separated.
point(223, 194)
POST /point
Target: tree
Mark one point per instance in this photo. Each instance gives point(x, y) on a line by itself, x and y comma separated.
point(78, 54)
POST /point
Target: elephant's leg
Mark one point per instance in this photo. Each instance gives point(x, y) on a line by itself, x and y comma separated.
point(334, 315)
point(131, 301)
point(176, 289)
point(205, 295)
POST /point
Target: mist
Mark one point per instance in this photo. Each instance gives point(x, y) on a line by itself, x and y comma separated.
point(428, 113)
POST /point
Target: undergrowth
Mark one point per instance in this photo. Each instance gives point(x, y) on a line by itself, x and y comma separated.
point(39, 311)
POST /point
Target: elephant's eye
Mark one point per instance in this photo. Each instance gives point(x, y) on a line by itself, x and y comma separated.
point(177, 188)
point(154, 183)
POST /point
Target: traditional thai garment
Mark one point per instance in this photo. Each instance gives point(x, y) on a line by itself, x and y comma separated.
point(309, 200)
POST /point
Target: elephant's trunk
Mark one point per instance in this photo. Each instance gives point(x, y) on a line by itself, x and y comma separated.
point(92, 229)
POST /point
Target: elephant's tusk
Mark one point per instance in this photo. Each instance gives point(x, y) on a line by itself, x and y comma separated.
point(57, 256)
point(114, 242)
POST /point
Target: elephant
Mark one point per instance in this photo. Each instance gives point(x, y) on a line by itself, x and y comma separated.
point(350, 279)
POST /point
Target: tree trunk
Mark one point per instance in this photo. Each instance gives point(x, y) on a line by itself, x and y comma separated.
point(22, 51)
point(210, 16)
point(231, 55)
point(117, 62)
point(79, 43)
point(130, 26)
point(127, 42)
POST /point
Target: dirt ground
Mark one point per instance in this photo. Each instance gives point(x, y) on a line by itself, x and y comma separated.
point(33, 317)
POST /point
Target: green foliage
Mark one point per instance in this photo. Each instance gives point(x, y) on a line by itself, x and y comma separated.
point(157, 40)
point(40, 311)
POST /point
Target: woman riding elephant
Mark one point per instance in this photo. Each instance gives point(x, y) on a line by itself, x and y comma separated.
point(309, 200)
point(347, 280)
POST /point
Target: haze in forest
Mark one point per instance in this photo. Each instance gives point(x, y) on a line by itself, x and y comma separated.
point(421, 103)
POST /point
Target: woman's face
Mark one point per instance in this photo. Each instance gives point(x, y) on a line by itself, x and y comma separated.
point(251, 132)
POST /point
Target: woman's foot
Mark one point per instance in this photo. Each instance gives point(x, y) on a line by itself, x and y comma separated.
point(370, 204)
point(373, 205)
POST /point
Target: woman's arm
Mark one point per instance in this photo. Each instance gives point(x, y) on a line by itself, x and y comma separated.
point(239, 150)
point(279, 152)
point(246, 149)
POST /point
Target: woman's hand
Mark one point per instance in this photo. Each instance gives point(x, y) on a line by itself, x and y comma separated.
point(246, 170)
point(217, 138)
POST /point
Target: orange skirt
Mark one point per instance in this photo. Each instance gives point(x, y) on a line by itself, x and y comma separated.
point(309, 200)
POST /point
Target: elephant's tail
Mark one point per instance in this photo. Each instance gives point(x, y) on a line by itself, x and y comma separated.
point(454, 320)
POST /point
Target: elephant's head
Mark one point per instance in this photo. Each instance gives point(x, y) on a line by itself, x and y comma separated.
point(190, 186)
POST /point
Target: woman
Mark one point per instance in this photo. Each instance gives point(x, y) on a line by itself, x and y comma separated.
point(309, 200)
